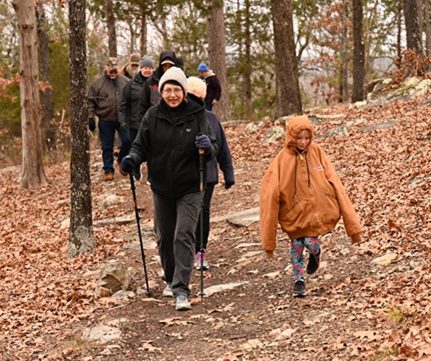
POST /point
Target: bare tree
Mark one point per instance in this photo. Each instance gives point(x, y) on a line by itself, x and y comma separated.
point(344, 73)
point(286, 74)
point(358, 53)
point(81, 229)
point(32, 172)
point(110, 23)
point(410, 8)
point(427, 27)
point(46, 93)
point(247, 65)
point(217, 55)
point(143, 35)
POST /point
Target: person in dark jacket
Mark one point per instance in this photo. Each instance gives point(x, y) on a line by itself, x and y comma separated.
point(104, 96)
point(131, 106)
point(197, 91)
point(169, 139)
point(167, 60)
point(213, 86)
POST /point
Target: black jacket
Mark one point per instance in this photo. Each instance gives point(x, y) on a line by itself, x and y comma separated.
point(166, 142)
point(132, 108)
point(151, 92)
point(213, 88)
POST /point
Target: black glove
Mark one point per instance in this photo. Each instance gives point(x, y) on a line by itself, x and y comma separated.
point(228, 184)
point(202, 141)
point(128, 164)
point(91, 124)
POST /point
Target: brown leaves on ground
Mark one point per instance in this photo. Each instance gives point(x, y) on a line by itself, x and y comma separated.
point(356, 308)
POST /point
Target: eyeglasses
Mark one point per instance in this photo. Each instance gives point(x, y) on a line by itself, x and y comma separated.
point(176, 92)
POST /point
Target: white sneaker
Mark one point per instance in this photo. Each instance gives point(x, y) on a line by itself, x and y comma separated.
point(167, 292)
point(182, 303)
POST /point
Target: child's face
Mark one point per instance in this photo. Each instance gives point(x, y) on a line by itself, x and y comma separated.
point(303, 139)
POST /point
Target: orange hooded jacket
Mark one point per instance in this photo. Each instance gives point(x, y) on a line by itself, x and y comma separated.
point(302, 192)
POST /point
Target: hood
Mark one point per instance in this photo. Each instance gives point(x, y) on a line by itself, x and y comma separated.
point(167, 55)
point(294, 126)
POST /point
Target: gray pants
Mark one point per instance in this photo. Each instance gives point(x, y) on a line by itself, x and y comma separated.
point(176, 220)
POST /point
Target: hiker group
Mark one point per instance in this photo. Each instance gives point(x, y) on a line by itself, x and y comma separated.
point(165, 120)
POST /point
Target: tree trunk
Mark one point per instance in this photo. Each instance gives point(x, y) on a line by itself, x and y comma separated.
point(286, 63)
point(46, 93)
point(81, 228)
point(358, 54)
point(110, 23)
point(399, 30)
point(344, 66)
point(217, 55)
point(143, 37)
point(413, 33)
point(32, 172)
point(247, 64)
point(427, 27)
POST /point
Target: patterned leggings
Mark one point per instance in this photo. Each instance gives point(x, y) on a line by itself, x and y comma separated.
point(296, 254)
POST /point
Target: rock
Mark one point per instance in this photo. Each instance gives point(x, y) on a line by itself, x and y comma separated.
point(244, 218)
point(115, 220)
point(251, 127)
point(114, 276)
point(223, 287)
point(386, 259)
point(110, 200)
point(272, 275)
point(101, 334)
point(246, 213)
point(384, 125)
point(123, 296)
point(275, 134)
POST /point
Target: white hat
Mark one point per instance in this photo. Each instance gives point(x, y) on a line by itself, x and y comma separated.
point(197, 87)
point(175, 75)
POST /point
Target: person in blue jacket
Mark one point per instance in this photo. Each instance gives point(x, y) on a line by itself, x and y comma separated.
point(197, 91)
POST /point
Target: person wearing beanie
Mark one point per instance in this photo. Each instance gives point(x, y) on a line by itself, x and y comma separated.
point(169, 140)
point(131, 68)
point(131, 110)
point(197, 91)
point(213, 85)
point(104, 97)
point(167, 59)
point(302, 192)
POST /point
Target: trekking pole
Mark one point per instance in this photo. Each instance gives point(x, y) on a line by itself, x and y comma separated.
point(132, 187)
point(201, 217)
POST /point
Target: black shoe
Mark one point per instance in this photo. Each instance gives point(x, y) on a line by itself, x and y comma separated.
point(299, 289)
point(313, 263)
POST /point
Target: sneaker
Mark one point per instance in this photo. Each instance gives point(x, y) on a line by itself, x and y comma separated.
point(299, 289)
point(167, 292)
point(200, 260)
point(313, 263)
point(108, 176)
point(182, 303)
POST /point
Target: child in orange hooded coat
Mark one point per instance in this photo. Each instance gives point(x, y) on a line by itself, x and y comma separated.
point(302, 192)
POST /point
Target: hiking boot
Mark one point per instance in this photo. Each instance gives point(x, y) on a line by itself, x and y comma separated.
point(107, 177)
point(122, 172)
point(200, 260)
point(299, 289)
point(313, 263)
point(182, 303)
point(167, 292)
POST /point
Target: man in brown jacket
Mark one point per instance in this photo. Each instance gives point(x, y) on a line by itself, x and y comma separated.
point(302, 192)
point(104, 96)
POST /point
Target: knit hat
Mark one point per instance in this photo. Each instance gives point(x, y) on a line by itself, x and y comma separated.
point(203, 67)
point(197, 87)
point(134, 59)
point(173, 75)
point(112, 63)
point(146, 61)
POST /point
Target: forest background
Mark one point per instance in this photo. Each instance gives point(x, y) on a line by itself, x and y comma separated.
point(323, 35)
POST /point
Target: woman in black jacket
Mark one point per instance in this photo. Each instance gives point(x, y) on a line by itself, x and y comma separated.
point(169, 140)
